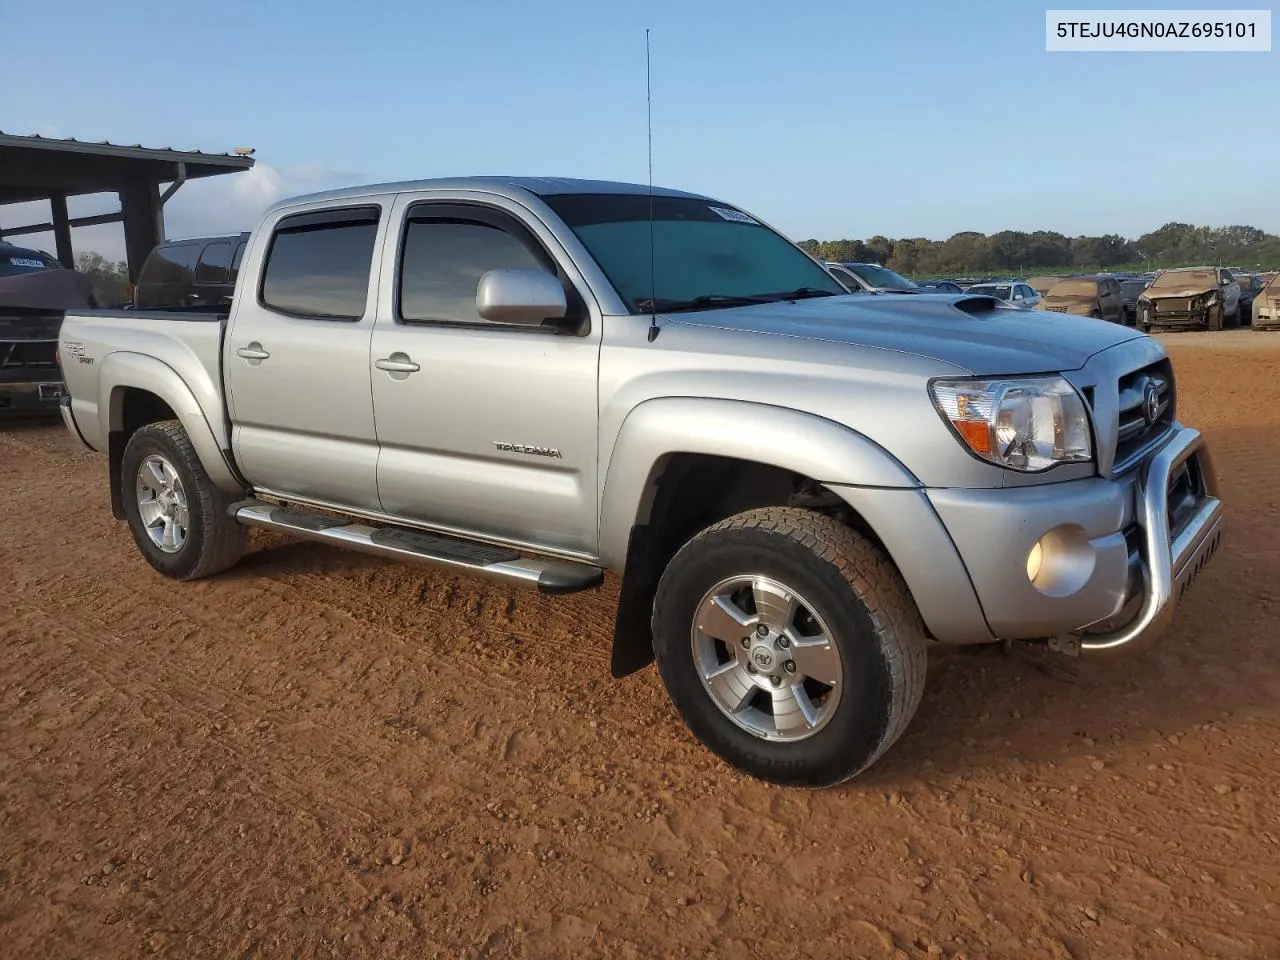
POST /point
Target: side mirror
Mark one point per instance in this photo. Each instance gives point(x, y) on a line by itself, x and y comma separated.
point(525, 297)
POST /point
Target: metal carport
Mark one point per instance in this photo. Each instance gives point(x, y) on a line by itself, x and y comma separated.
point(44, 168)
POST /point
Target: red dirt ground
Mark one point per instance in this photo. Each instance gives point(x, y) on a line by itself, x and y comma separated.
point(322, 754)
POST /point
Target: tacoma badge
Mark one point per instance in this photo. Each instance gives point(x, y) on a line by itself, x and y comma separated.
point(527, 448)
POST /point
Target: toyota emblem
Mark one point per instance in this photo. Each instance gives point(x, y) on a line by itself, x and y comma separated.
point(763, 658)
point(1151, 403)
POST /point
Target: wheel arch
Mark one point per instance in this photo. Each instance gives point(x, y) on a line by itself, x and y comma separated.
point(139, 390)
point(682, 464)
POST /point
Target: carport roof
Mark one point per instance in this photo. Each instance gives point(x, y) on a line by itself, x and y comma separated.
point(33, 167)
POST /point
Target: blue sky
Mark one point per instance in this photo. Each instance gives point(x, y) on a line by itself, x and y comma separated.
point(828, 119)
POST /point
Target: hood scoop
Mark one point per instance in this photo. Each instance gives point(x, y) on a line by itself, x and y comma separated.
point(978, 304)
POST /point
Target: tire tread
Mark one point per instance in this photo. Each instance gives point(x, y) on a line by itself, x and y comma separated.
point(223, 540)
point(874, 580)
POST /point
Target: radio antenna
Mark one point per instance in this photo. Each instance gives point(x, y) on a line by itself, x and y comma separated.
point(653, 283)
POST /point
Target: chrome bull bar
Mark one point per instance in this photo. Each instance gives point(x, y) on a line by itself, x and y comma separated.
point(1169, 563)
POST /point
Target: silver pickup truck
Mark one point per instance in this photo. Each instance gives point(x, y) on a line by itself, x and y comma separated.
point(540, 380)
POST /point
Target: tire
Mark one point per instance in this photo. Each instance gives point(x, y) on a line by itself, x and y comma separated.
point(211, 541)
point(1232, 322)
point(1215, 319)
point(857, 599)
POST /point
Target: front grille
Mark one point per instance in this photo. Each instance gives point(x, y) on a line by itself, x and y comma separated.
point(34, 355)
point(1143, 422)
point(1169, 305)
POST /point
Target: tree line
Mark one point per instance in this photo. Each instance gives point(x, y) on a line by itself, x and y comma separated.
point(110, 279)
point(1016, 252)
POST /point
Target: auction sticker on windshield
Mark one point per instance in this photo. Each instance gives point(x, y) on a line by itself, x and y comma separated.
point(735, 215)
point(1159, 31)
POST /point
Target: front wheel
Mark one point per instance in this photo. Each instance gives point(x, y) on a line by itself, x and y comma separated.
point(178, 518)
point(790, 646)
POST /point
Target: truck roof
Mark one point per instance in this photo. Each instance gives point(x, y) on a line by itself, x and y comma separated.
point(509, 186)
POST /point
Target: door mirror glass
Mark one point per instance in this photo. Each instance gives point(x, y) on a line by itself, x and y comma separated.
point(520, 296)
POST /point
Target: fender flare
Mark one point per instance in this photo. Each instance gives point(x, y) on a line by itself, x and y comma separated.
point(124, 370)
point(820, 449)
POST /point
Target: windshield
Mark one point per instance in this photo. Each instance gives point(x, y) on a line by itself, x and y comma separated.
point(700, 249)
point(1132, 288)
point(1074, 288)
point(878, 276)
point(16, 261)
point(1176, 279)
point(1002, 290)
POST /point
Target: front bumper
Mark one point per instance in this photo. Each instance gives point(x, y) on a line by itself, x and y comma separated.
point(1114, 556)
point(1177, 319)
point(39, 397)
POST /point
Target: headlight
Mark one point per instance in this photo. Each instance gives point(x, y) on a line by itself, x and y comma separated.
point(1144, 302)
point(1027, 425)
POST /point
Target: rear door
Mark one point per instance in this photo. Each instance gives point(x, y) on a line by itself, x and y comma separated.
point(297, 356)
point(1112, 301)
point(1230, 292)
point(485, 428)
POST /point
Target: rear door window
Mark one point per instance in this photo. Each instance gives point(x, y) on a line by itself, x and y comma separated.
point(318, 265)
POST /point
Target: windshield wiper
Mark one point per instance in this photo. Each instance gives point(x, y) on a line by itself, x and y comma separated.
point(804, 293)
point(706, 301)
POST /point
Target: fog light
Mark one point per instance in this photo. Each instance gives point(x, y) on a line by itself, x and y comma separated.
point(1033, 561)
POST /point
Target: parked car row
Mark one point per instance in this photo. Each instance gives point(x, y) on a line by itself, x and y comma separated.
point(1184, 298)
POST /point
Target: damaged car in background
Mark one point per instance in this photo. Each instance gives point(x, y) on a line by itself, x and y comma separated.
point(1266, 305)
point(1098, 297)
point(35, 291)
point(1190, 298)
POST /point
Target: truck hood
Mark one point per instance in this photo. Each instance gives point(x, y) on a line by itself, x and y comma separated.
point(979, 334)
point(1177, 293)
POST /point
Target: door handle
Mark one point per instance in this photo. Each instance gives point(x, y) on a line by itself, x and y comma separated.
point(253, 351)
point(397, 363)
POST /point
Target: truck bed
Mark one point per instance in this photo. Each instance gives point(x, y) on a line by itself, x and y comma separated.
point(94, 342)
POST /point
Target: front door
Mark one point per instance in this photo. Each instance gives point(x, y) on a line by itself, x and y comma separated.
point(483, 428)
point(297, 360)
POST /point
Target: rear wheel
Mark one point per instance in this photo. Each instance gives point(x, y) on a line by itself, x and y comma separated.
point(178, 518)
point(790, 645)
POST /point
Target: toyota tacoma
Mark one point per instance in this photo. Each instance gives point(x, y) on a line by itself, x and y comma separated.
point(540, 380)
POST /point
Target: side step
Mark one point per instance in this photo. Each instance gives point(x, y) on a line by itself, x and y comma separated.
point(433, 549)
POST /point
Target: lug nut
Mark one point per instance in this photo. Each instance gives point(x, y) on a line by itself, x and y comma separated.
point(776, 681)
point(746, 642)
point(789, 666)
point(762, 631)
point(784, 642)
point(751, 668)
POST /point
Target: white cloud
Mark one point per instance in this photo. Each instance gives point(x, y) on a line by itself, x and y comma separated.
point(235, 202)
point(224, 204)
